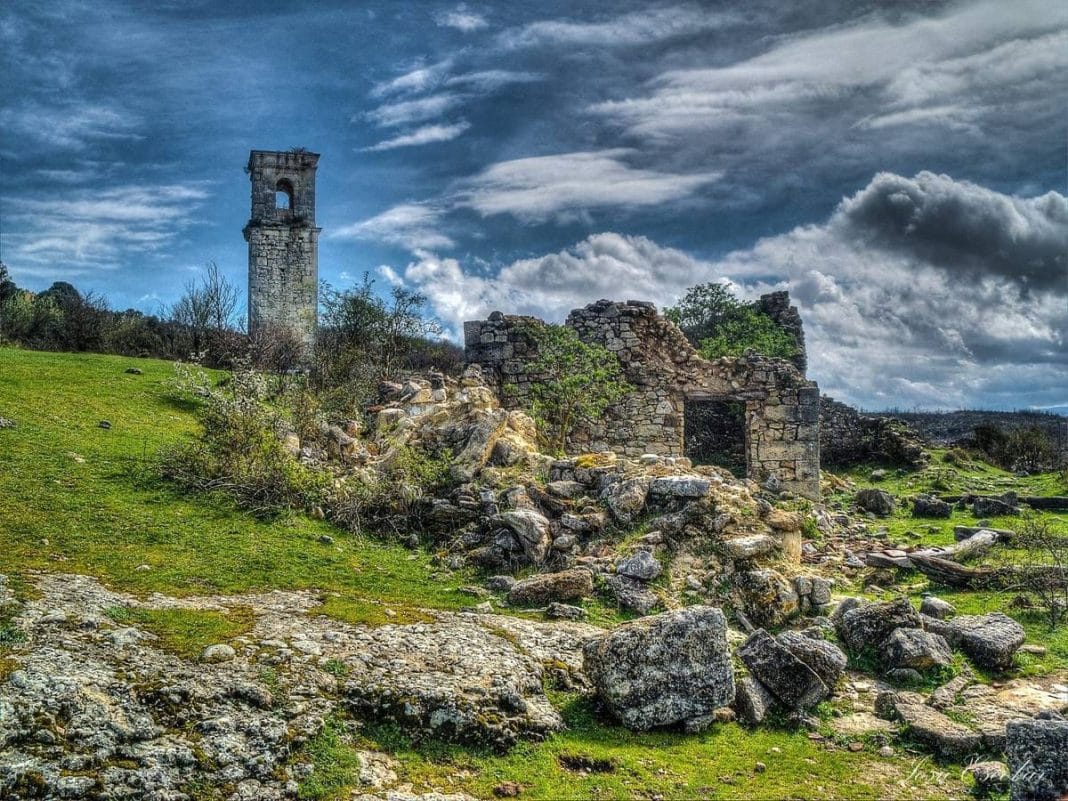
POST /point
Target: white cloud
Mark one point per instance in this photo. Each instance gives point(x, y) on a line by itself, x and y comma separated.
point(414, 81)
point(929, 70)
point(422, 136)
point(70, 126)
point(484, 81)
point(95, 229)
point(462, 19)
point(889, 321)
point(541, 187)
point(405, 112)
point(636, 28)
point(411, 225)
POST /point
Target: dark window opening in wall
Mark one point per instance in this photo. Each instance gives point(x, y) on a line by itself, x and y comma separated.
point(714, 434)
point(283, 195)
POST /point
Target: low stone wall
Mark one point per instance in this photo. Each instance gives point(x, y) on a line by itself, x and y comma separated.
point(781, 406)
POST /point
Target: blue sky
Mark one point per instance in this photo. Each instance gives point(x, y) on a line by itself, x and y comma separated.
point(899, 167)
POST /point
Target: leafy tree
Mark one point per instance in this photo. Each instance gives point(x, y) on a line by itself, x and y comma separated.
point(749, 329)
point(718, 324)
point(575, 382)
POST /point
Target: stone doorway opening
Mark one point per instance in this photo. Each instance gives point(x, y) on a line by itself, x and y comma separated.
point(714, 433)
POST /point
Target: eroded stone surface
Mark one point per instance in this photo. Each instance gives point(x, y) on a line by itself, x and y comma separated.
point(94, 698)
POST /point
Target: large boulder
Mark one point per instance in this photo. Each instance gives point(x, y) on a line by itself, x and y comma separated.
point(665, 669)
point(868, 625)
point(878, 502)
point(1038, 759)
point(915, 649)
point(989, 640)
point(785, 675)
point(545, 588)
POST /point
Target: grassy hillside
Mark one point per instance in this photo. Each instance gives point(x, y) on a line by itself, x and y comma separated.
point(81, 498)
point(77, 497)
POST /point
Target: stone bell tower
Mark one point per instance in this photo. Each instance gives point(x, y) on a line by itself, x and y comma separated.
point(283, 244)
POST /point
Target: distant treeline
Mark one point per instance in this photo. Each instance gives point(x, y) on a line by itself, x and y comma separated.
point(358, 333)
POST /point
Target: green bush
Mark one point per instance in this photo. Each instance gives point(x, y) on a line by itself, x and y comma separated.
point(576, 383)
point(240, 450)
point(718, 324)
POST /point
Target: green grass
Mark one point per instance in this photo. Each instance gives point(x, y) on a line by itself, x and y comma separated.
point(83, 499)
point(186, 632)
point(595, 760)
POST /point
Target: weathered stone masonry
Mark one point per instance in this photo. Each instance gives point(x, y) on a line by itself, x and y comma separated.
point(781, 426)
point(283, 244)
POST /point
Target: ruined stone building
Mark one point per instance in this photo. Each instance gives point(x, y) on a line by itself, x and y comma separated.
point(762, 411)
point(283, 244)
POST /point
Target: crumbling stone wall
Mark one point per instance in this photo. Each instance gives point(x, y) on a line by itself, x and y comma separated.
point(848, 438)
point(781, 406)
point(283, 244)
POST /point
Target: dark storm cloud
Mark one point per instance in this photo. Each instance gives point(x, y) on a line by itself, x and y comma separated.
point(964, 228)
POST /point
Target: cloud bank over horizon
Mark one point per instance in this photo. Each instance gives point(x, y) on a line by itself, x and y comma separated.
point(920, 291)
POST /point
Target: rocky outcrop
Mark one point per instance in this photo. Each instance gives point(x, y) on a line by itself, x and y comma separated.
point(662, 670)
point(88, 697)
point(989, 640)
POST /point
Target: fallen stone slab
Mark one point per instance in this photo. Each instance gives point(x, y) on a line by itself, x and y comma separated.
point(665, 669)
point(989, 640)
point(680, 487)
point(943, 735)
point(544, 588)
point(790, 680)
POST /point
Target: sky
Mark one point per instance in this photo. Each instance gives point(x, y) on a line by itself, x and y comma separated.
point(899, 167)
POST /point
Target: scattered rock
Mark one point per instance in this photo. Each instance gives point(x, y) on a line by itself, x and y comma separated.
point(878, 502)
point(1036, 751)
point(752, 700)
point(765, 597)
point(133, 371)
point(990, 777)
point(930, 506)
point(748, 547)
point(558, 611)
point(531, 530)
point(989, 640)
point(567, 585)
point(7, 423)
point(629, 593)
point(665, 669)
point(917, 649)
point(641, 565)
point(105, 424)
point(626, 499)
point(941, 734)
point(937, 608)
point(866, 626)
point(680, 487)
point(220, 652)
point(500, 583)
point(788, 678)
point(825, 659)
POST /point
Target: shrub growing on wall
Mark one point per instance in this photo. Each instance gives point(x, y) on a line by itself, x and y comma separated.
point(718, 324)
point(574, 384)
